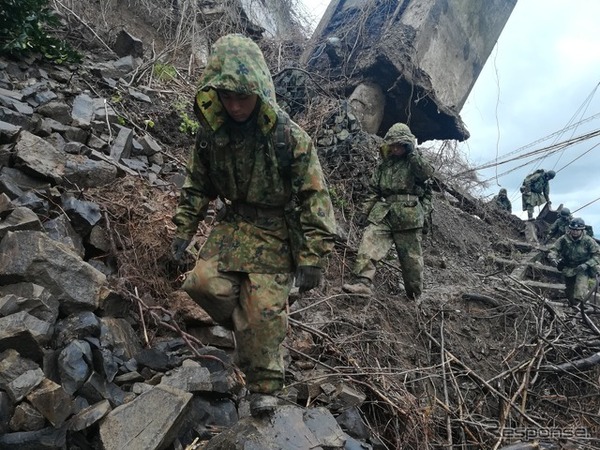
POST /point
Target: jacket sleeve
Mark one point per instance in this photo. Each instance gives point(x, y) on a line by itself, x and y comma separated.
point(556, 249)
point(317, 221)
point(594, 260)
point(196, 194)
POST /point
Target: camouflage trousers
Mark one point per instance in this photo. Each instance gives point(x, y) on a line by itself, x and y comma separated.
point(254, 305)
point(577, 287)
point(377, 241)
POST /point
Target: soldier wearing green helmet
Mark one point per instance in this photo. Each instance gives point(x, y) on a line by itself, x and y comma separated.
point(577, 256)
point(535, 190)
point(502, 202)
point(394, 213)
point(560, 225)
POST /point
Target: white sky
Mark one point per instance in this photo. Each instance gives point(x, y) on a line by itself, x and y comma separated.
point(541, 77)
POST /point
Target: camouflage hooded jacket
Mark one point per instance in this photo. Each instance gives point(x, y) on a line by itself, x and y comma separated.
point(243, 167)
point(576, 252)
point(396, 176)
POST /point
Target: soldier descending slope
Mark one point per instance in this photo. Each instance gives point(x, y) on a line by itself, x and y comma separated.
point(577, 255)
point(280, 215)
point(501, 201)
point(560, 225)
point(394, 212)
point(535, 190)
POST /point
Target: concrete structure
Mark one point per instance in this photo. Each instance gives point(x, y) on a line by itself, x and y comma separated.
point(424, 54)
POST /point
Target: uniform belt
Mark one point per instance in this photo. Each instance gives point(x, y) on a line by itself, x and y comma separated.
point(401, 198)
point(256, 212)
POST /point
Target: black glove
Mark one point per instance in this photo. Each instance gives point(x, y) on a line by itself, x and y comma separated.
point(553, 261)
point(308, 277)
point(178, 247)
point(561, 265)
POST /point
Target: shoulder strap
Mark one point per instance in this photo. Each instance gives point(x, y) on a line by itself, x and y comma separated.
point(282, 143)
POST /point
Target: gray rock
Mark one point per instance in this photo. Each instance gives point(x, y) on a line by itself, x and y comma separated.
point(52, 401)
point(12, 365)
point(34, 256)
point(61, 230)
point(19, 219)
point(89, 416)
point(56, 110)
point(122, 145)
point(74, 365)
point(84, 172)
point(128, 426)
point(18, 388)
point(81, 325)
point(26, 418)
point(9, 133)
point(82, 214)
point(83, 111)
point(126, 44)
point(25, 333)
point(31, 298)
point(37, 157)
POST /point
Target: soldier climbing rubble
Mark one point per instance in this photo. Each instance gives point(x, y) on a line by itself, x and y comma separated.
point(560, 225)
point(577, 256)
point(394, 213)
point(502, 201)
point(279, 216)
point(535, 190)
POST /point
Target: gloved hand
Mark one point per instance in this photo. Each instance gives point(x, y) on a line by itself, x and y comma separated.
point(553, 261)
point(582, 268)
point(178, 247)
point(308, 277)
point(560, 265)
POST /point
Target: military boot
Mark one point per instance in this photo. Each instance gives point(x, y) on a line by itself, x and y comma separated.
point(362, 286)
point(262, 404)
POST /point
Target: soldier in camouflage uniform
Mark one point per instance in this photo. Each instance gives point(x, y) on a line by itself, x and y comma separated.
point(395, 213)
point(278, 221)
point(577, 255)
point(535, 190)
point(501, 201)
point(560, 225)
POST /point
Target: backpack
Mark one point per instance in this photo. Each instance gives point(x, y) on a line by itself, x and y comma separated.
point(535, 181)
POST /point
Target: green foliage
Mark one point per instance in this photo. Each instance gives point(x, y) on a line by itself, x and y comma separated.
point(24, 28)
point(188, 124)
point(164, 72)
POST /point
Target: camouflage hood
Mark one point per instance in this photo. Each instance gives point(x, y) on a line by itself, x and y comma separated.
point(398, 133)
point(235, 64)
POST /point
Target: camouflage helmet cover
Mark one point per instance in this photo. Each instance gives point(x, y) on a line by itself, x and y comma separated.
point(399, 133)
point(565, 212)
point(577, 224)
point(502, 191)
point(551, 174)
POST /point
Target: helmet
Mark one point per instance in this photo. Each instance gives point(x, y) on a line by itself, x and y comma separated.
point(577, 224)
point(502, 191)
point(399, 133)
point(565, 212)
point(551, 174)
